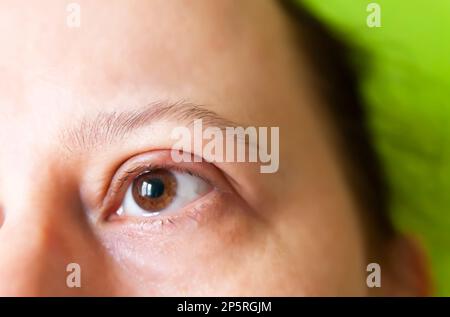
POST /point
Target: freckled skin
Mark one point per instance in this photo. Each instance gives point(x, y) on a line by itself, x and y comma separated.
point(294, 232)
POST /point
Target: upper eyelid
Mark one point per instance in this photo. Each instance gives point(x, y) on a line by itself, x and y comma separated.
point(117, 184)
point(128, 174)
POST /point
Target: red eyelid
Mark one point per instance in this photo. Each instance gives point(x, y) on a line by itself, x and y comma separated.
point(145, 162)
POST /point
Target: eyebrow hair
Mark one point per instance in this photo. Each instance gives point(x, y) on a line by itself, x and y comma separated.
point(107, 127)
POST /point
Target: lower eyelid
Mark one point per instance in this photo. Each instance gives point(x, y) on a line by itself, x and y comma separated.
point(195, 213)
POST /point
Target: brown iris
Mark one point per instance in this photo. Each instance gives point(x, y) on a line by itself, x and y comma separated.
point(155, 190)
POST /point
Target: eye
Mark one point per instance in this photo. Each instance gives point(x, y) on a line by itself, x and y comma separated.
point(161, 190)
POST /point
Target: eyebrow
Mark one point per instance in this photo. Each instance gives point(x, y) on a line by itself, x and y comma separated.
point(107, 127)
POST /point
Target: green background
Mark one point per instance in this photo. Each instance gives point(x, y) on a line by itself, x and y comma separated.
point(405, 80)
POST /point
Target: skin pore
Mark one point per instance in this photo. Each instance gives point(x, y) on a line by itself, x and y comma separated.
point(65, 94)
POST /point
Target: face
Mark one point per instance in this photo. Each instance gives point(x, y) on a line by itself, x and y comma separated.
point(87, 175)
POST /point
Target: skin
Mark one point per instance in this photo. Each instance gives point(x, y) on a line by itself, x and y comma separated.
point(294, 232)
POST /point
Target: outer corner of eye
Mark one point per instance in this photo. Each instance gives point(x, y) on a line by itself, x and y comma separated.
point(161, 191)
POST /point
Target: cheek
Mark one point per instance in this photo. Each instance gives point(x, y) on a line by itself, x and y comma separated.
point(323, 242)
point(297, 246)
point(192, 257)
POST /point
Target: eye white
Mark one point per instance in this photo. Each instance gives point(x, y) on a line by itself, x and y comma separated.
point(189, 188)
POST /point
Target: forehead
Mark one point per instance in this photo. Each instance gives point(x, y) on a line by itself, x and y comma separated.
point(165, 47)
point(236, 57)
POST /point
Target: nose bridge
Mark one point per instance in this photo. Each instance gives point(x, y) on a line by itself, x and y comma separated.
point(39, 194)
point(2, 216)
point(44, 230)
point(29, 256)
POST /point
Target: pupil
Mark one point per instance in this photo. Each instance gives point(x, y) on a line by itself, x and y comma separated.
point(152, 188)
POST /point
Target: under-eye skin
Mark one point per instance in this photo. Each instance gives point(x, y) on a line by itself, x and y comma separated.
point(151, 187)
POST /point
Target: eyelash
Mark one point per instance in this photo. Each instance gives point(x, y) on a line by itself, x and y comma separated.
point(117, 189)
